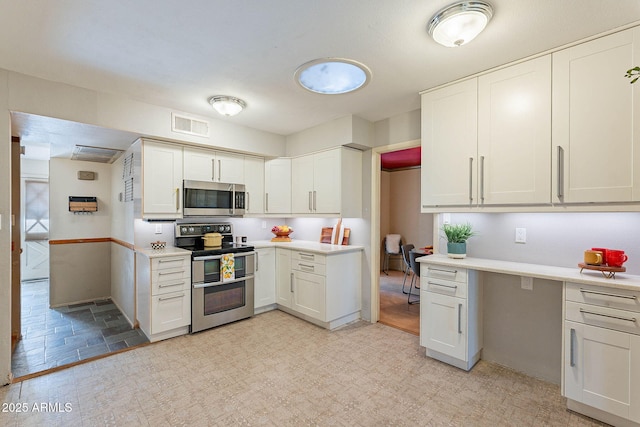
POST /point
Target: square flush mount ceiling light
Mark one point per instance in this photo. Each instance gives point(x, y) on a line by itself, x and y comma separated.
point(332, 76)
point(227, 105)
point(460, 22)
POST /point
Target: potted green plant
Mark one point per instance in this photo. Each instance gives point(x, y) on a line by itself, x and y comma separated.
point(457, 235)
point(633, 73)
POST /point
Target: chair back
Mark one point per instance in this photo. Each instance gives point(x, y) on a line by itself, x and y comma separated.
point(415, 266)
point(406, 251)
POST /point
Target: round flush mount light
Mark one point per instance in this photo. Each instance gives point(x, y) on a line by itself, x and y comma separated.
point(332, 76)
point(227, 105)
point(460, 22)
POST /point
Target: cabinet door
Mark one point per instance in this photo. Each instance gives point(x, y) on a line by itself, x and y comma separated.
point(302, 184)
point(449, 146)
point(327, 179)
point(170, 311)
point(161, 180)
point(443, 321)
point(595, 122)
point(199, 164)
point(514, 134)
point(229, 168)
point(265, 277)
point(284, 277)
point(309, 295)
point(602, 369)
point(277, 185)
point(254, 184)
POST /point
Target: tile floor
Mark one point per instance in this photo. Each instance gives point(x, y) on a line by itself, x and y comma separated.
point(276, 370)
point(63, 335)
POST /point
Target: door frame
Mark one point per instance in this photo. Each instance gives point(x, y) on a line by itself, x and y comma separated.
point(376, 164)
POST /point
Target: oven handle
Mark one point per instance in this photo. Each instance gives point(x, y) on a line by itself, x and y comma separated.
point(227, 282)
point(235, 255)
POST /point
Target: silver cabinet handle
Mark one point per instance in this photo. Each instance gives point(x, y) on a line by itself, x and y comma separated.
point(454, 272)
point(166, 273)
point(291, 282)
point(444, 286)
point(164, 261)
point(560, 172)
point(310, 257)
point(308, 267)
point(482, 179)
point(470, 180)
point(257, 260)
point(213, 170)
point(168, 298)
point(315, 206)
point(168, 285)
point(247, 200)
point(266, 202)
point(459, 318)
point(587, 291)
point(626, 319)
point(219, 170)
point(177, 199)
point(572, 353)
point(310, 202)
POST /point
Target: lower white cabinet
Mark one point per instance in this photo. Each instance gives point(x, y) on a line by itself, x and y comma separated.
point(163, 288)
point(265, 280)
point(602, 353)
point(450, 322)
point(322, 289)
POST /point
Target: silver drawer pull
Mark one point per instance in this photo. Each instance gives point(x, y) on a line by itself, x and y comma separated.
point(171, 284)
point(444, 286)
point(443, 271)
point(626, 319)
point(304, 255)
point(308, 267)
point(173, 297)
point(166, 273)
point(572, 353)
point(163, 261)
point(586, 291)
point(459, 318)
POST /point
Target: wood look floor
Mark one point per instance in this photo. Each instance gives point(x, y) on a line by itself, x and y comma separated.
point(394, 309)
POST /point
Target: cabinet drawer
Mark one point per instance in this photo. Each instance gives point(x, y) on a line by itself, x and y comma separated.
point(171, 262)
point(308, 267)
point(170, 311)
point(444, 287)
point(445, 273)
point(168, 286)
point(606, 317)
point(308, 257)
point(603, 297)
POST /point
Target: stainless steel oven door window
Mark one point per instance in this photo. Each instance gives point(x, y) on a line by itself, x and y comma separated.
point(206, 269)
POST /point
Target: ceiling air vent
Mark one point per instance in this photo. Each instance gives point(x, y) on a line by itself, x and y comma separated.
point(95, 154)
point(184, 124)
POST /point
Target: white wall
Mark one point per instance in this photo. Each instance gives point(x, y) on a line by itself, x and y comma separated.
point(400, 128)
point(5, 233)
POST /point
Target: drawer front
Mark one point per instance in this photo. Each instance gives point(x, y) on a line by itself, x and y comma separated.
point(444, 287)
point(308, 267)
point(603, 296)
point(170, 311)
point(445, 273)
point(606, 317)
point(171, 263)
point(308, 257)
point(164, 281)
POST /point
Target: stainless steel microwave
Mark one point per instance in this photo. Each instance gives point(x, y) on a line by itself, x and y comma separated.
point(203, 198)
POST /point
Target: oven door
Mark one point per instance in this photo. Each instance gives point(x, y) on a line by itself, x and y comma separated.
point(208, 198)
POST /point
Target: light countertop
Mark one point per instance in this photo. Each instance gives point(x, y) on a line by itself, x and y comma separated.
point(561, 274)
point(166, 252)
point(307, 245)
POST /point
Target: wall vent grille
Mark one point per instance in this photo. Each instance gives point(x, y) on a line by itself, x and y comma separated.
point(188, 125)
point(87, 153)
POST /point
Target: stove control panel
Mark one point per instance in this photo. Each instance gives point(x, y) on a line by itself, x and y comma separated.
point(191, 230)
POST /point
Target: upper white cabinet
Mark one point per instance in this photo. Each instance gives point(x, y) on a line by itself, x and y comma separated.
point(596, 139)
point(213, 166)
point(327, 182)
point(449, 145)
point(254, 184)
point(514, 134)
point(277, 186)
point(161, 180)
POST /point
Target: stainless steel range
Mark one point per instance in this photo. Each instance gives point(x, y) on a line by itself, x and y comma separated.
point(216, 300)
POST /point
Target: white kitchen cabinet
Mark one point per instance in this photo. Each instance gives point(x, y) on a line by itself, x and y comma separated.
point(596, 128)
point(213, 166)
point(284, 278)
point(277, 186)
point(450, 146)
point(265, 279)
point(163, 289)
point(450, 321)
point(602, 352)
point(514, 134)
point(254, 184)
point(327, 182)
point(161, 180)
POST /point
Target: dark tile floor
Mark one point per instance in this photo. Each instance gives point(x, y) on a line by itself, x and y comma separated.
point(54, 337)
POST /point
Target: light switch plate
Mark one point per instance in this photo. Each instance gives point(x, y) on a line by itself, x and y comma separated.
point(526, 283)
point(158, 228)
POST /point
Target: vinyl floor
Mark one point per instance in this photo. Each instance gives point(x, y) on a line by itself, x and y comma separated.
point(395, 311)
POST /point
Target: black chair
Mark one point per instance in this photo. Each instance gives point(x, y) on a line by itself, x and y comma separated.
point(406, 249)
point(388, 244)
point(415, 267)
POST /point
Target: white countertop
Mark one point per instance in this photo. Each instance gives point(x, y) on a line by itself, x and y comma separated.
point(166, 252)
point(307, 245)
point(561, 274)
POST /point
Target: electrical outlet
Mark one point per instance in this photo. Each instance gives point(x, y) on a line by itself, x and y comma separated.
point(521, 235)
point(446, 218)
point(158, 228)
point(264, 224)
point(526, 283)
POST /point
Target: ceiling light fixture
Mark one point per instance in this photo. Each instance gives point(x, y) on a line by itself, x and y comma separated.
point(227, 105)
point(460, 22)
point(332, 76)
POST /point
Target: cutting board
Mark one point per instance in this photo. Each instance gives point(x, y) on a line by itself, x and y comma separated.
point(326, 233)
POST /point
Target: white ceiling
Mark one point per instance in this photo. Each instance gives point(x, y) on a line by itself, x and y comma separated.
point(179, 53)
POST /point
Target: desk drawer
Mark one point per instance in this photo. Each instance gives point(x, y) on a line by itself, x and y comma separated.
point(610, 318)
point(165, 263)
point(445, 273)
point(308, 267)
point(444, 287)
point(308, 257)
point(603, 296)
